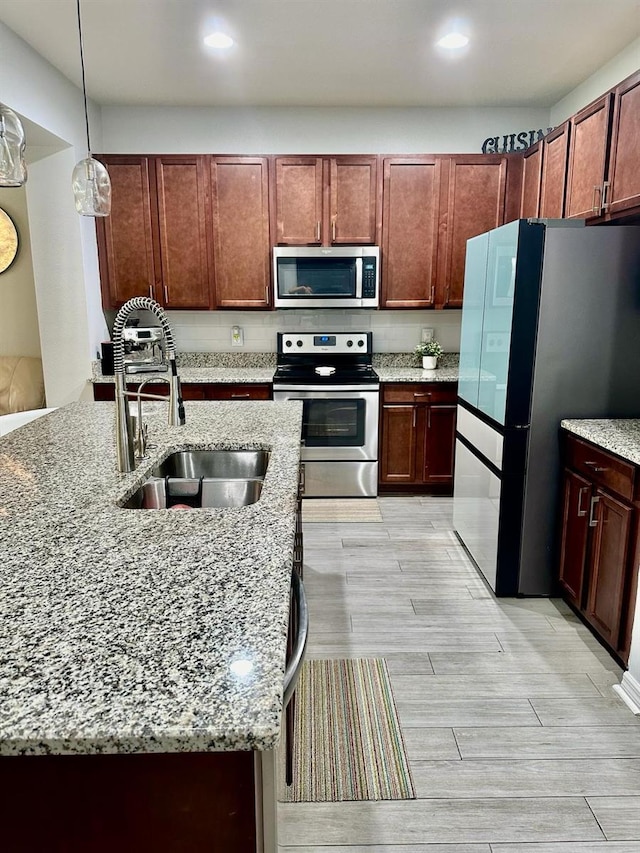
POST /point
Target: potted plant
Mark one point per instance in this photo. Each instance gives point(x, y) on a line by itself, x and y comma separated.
point(430, 352)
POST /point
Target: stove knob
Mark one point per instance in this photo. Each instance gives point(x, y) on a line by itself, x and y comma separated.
point(289, 344)
point(360, 343)
point(298, 343)
point(349, 343)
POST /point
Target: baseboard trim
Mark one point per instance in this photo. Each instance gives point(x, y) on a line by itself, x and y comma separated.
point(629, 691)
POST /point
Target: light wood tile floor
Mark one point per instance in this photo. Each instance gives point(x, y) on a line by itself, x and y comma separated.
point(516, 740)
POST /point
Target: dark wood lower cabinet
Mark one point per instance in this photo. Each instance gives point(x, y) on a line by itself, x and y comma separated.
point(417, 437)
point(599, 540)
point(198, 390)
point(130, 803)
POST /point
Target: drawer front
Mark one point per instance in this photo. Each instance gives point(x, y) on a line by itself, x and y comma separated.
point(419, 392)
point(247, 391)
point(601, 468)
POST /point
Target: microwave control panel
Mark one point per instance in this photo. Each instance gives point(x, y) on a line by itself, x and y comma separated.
point(342, 343)
point(368, 278)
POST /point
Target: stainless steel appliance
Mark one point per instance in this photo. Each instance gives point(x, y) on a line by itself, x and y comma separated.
point(326, 276)
point(143, 348)
point(332, 375)
point(550, 329)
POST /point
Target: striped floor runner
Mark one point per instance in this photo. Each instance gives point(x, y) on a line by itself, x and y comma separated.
point(348, 744)
point(340, 510)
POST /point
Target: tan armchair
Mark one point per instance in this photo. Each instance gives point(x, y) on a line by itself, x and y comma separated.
point(21, 384)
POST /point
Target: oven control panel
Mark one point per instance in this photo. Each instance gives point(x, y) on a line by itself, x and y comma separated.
point(342, 343)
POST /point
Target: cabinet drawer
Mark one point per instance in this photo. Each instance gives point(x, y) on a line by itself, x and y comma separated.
point(601, 468)
point(419, 392)
point(247, 391)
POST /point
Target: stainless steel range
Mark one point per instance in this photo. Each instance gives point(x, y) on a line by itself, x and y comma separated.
point(332, 375)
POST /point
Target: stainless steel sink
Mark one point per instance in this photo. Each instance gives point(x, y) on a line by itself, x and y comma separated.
point(225, 464)
point(183, 491)
point(202, 479)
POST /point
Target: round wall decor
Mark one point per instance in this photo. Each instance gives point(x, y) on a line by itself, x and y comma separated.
point(8, 241)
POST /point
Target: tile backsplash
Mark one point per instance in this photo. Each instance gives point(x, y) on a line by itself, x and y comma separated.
point(393, 331)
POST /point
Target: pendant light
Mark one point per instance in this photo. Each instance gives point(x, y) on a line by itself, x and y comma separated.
point(90, 179)
point(13, 171)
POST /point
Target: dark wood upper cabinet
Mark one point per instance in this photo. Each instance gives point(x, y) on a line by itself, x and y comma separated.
point(588, 147)
point(623, 191)
point(325, 200)
point(128, 263)
point(353, 185)
point(472, 202)
point(531, 177)
point(298, 201)
point(184, 228)
point(410, 201)
point(240, 214)
point(553, 179)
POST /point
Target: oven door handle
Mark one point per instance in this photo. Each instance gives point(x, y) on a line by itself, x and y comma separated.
point(358, 278)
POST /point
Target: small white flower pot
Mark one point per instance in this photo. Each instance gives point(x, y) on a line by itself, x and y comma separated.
point(429, 362)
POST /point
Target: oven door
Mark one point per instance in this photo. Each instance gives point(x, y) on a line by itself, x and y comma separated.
point(337, 422)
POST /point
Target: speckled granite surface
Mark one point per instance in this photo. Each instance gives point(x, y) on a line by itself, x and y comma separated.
point(259, 367)
point(618, 435)
point(118, 628)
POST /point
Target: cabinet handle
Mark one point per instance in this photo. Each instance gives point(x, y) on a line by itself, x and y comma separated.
point(240, 396)
point(415, 412)
point(597, 190)
point(429, 417)
point(333, 229)
point(592, 520)
point(424, 394)
point(166, 294)
point(318, 230)
point(150, 291)
point(595, 467)
point(581, 511)
point(432, 296)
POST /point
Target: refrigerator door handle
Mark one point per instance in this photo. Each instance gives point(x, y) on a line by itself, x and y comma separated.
point(593, 522)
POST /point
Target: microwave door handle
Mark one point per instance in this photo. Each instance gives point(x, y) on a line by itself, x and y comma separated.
point(358, 278)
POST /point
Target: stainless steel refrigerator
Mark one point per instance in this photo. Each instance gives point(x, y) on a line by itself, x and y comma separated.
point(550, 330)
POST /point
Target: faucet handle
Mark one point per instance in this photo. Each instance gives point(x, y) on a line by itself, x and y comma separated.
point(142, 433)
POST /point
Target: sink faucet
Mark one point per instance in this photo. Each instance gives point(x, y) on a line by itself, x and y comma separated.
point(125, 440)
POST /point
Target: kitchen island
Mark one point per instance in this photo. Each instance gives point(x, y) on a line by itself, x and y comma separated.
point(143, 651)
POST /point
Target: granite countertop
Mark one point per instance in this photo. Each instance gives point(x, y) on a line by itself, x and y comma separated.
point(260, 367)
point(617, 435)
point(119, 627)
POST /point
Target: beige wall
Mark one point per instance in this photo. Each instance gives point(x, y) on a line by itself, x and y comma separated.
point(19, 332)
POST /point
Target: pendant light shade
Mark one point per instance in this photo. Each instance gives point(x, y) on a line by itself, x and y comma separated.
point(13, 171)
point(90, 180)
point(91, 188)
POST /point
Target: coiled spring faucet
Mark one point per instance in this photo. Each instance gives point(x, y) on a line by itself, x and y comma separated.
point(125, 442)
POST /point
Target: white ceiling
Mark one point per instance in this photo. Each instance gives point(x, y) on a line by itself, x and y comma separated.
point(327, 52)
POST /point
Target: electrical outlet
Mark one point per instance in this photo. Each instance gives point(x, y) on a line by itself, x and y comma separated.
point(237, 336)
point(427, 335)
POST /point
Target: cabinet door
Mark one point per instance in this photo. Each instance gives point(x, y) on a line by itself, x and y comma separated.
point(611, 521)
point(298, 201)
point(398, 451)
point(353, 188)
point(473, 203)
point(575, 531)
point(183, 218)
point(240, 205)
point(411, 191)
point(554, 173)
point(532, 171)
point(624, 163)
point(125, 242)
point(587, 159)
point(439, 444)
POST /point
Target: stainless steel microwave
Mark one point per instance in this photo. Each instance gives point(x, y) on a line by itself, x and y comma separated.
point(326, 276)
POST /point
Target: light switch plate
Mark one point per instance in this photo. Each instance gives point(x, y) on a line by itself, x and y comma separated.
point(427, 335)
point(237, 336)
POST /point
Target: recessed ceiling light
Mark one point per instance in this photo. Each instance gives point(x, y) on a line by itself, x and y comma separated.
point(453, 41)
point(218, 40)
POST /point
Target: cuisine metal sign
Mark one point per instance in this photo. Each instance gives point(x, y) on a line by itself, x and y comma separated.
point(510, 142)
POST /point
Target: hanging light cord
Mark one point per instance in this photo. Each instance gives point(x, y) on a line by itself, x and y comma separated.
point(84, 84)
